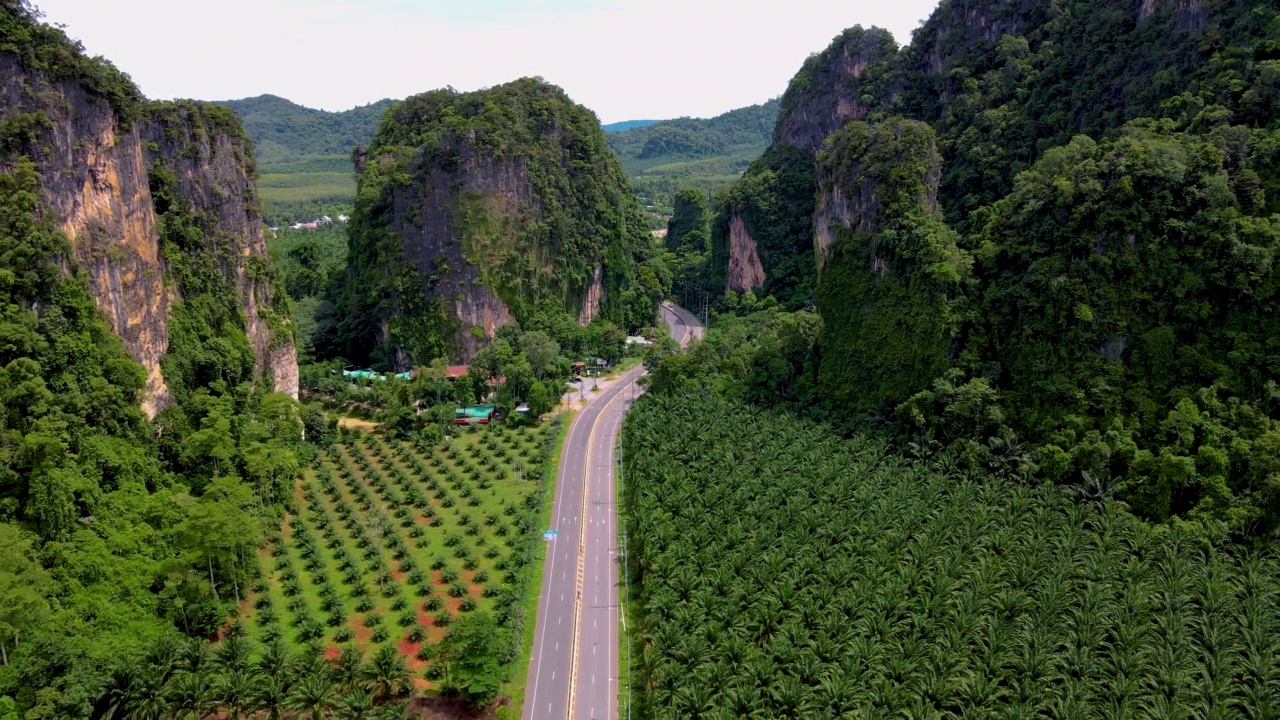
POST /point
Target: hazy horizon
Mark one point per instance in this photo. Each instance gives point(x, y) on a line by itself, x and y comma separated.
point(624, 59)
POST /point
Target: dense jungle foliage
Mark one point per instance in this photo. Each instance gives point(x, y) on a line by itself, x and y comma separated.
point(1076, 250)
point(116, 532)
point(1002, 83)
point(781, 570)
point(906, 274)
point(530, 204)
point(308, 262)
point(46, 49)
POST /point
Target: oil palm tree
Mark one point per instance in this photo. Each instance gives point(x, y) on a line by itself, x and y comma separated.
point(189, 695)
point(121, 690)
point(274, 660)
point(355, 705)
point(232, 654)
point(149, 701)
point(312, 695)
point(349, 671)
point(387, 673)
point(233, 691)
point(270, 695)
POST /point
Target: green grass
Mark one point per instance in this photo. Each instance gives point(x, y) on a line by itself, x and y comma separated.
point(287, 185)
point(307, 194)
point(370, 499)
point(307, 179)
point(624, 600)
point(307, 164)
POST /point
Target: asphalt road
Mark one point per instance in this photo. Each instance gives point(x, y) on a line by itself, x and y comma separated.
point(575, 644)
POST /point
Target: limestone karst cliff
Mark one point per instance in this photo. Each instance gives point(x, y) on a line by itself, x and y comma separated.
point(480, 209)
point(202, 150)
point(1001, 82)
point(844, 82)
point(1055, 221)
point(97, 155)
point(890, 270)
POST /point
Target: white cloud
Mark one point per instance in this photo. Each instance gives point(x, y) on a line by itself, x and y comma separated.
point(625, 59)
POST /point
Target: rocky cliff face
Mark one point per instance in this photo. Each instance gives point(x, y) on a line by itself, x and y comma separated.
point(213, 165)
point(481, 209)
point(595, 295)
point(1001, 82)
point(456, 221)
point(745, 270)
point(95, 166)
point(834, 87)
point(94, 175)
point(862, 169)
point(890, 266)
point(1187, 14)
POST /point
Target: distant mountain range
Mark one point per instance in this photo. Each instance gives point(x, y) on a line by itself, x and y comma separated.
point(283, 129)
point(304, 154)
point(663, 157)
point(627, 125)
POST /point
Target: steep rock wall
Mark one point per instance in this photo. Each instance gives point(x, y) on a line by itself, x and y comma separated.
point(213, 165)
point(456, 221)
point(479, 209)
point(745, 270)
point(833, 87)
point(764, 225)
point(595, 295)
point(1187, 14)
point(890, 266)
point(960, 31)
point(94, 177)
point(856, 178)
point(95, 168)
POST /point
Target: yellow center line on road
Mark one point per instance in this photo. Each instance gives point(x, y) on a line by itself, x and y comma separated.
point(582, 542)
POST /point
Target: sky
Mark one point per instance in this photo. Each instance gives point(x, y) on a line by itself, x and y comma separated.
point(625, 59)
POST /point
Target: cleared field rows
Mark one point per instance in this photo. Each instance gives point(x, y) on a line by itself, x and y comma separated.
point(387, 543)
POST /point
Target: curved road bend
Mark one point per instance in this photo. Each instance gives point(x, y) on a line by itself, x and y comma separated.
point(574, 669)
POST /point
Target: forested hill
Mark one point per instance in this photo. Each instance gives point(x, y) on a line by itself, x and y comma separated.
point(497, 206)
point(1002, 83)
point(1043, 227)
point(707, 154)
point(280, 128)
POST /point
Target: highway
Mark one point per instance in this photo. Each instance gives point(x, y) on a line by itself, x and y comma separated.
point(573, 672)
